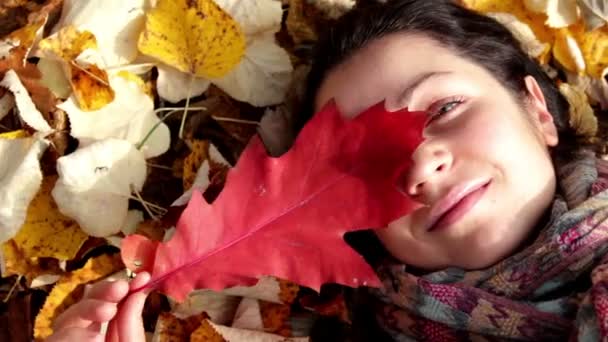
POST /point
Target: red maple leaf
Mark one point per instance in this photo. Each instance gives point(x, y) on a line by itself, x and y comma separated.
point(286, 216)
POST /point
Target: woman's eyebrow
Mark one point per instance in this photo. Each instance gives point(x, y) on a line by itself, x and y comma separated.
point(405, 96)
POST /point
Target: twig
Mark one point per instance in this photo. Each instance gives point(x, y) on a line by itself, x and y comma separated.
point(221, 118)
point(10, 292)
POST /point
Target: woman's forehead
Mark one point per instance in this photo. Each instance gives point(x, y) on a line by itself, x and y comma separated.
point(384, 69)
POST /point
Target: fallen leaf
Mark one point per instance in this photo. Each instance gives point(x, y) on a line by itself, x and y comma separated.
point(582, 116)
point(298, 26)
point(248, 315)
point(263, 75)
point(69, 289)
point(195, 37)
point(7, 103)
point(54, 78)
point(287, 208)
point(594, 12)
point(524, 35)
point(567, 51)
point(595, 88)
point(20, 178)
point(14, 262)
point(560, 13)
point(203, 333)
point(535, 21)
point(27, 109)
point(96, 181)
point(130, 116)
point(116, 25)
point(594, 47)
point(19, 43)
point(89, 83)
point(254, 17)
point(275, 318)
point(174, 85)
point(172, 329)
point(18, 134)
point(46, 232)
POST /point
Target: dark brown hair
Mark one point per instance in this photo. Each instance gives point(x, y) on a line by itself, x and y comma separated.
point(476, 37)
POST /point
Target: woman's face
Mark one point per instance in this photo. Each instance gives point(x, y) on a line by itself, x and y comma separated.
point(483, 173)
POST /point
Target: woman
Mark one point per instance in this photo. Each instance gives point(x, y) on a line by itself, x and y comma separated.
point(510, 242)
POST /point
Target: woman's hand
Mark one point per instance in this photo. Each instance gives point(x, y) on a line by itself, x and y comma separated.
point(82, 321)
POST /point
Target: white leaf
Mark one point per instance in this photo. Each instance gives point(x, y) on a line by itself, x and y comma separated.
point(116, 25)
point(7, 102)
point(95, 183)
point(254, 17)
point(220, 307)
point(267, 289)
point(595, 88)
point(248, 315)
point(237, 335)
point(53, 77)
point(45, 279)
point(560, 13)
point(133, 219)
point(130, 117)
point(20, 179)
point(27, 110)
point(172, 84)
point(276, 131)
point(263, 75)
point(595, 13)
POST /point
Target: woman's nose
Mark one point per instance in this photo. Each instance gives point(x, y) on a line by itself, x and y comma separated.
point(430, 165)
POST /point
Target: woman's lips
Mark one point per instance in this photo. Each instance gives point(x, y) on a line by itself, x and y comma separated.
point(461, 208)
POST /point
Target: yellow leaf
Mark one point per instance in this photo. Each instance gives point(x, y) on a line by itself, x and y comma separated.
point(89, 83)
point(69, 289)
point(567, 51)
point(46, 232)
point(582, 117)
point(206, 333)
point(147, 87)
point(194, 36)
point(14, 262)
point(68, 43)
point(23, 38)
point(172, 329)
point(517, 8)
point(199, 153)
point(594, 45)
point(20, 133)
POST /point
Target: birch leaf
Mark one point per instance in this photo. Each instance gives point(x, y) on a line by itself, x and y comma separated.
point(525, 35)
point(96, 181)
point(20, 179)
point(254, 17)
point(174, 85)
point(262, 77)
point(594, 12)
point(560, 13)
point(7, 103)
point(116, 25)
point(195, 37)
point(89, 83)
point(582, 117)
point(235, 334)
point(130, 117)
point(14, 262)
point(54, 78)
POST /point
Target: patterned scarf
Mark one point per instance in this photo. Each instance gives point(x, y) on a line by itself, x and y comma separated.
point(555, 289)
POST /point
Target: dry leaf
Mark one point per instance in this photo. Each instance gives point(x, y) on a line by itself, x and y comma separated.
point(18, 134)
point(276, 318)
point(594, 12)
point(524, 35)
point(206, 333)
point(130, 117)
point(14, 262)
point(7, 103)
point(89, 83)
point(54, 78)
point(19, 180)
point(96, 182)
point(20, 42)
point(174, 85)
point(594, 46)
point(195, 37)
point(27, 109)
point(203, 333)
point(172, 329)
point(516, 7)
point(560, 13)
point(595, 88)
point(582, 117)
point(46, 232)
point(116, 25)
point(69, 289)
point(299, 28)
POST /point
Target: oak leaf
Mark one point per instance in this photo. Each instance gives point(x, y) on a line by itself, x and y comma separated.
point(340, 175)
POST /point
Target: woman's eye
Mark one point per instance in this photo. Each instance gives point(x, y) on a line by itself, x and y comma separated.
point(443, 108)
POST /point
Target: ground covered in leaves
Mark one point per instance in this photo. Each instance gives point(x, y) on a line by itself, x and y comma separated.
point(165, 95)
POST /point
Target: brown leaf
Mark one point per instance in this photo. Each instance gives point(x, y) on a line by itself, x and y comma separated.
point(275, 318)
point(172, 329)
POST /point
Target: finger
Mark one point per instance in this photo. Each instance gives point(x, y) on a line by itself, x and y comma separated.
point(110, 291)
point(112, 332)
point(84, 312)
point(75, 334)
point(130, 326)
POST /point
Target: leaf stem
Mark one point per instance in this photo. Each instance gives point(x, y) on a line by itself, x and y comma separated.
point(171, 110)
point(183, 123)
point(10, 292)
point(221, 118)
point(144, 204)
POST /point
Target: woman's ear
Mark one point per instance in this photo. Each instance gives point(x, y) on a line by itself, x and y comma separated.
point(541, 117)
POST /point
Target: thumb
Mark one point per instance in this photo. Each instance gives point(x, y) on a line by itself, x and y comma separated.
point(128, 323)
